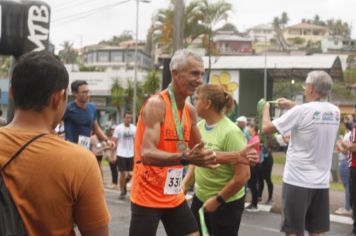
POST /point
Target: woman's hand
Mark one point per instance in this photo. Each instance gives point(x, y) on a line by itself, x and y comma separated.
point(211, 205)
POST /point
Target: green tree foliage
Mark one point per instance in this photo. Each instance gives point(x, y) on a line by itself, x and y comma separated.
point(68, 55)
point(338, 27)
point(122, 97)
point(228, 27)
point(116, 40)
point(117, 94)
point(85, 68)
point(151, 83)
point(284, 88)
point(200, 17)
point(284, 19)
point(350, 76)
point(5, 65)
point(335, 26)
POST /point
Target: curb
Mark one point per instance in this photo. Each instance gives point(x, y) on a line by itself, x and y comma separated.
point(277, 210)
point(265, 208)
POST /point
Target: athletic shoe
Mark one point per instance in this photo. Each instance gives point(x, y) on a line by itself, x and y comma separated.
point(112, 186)
point(122, 195)
point(268, 202)
point(343, 211)
point(252, 208)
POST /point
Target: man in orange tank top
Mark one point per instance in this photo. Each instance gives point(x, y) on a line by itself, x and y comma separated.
point(167, 139)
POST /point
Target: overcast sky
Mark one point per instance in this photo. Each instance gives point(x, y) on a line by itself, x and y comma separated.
point(84, 22)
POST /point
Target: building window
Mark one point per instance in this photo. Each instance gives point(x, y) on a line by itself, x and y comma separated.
point(116, 56)
point(129, 57)
point(90, 57)
point(103, 56)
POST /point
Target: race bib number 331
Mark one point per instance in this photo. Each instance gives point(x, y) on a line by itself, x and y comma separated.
point(173, 181)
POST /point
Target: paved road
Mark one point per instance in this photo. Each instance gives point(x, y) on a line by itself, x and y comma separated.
point(253, 224)
point(260, 223)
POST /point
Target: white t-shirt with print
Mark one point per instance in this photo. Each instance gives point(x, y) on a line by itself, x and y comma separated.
point(125, 140)
point(313, 128)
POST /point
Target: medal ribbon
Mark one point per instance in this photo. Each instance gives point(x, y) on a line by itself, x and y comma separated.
point(179, 125)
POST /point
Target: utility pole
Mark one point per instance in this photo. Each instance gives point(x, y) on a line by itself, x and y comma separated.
point(178, 22)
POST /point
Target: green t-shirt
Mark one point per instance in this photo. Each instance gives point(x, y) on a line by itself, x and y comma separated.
point(224, 137)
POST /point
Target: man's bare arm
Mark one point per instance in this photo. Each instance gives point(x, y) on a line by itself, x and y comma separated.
point(247, 156)
point(267, 125)
point(189, 179)
point(99, 132)
point(153, 116)
point(241, 176)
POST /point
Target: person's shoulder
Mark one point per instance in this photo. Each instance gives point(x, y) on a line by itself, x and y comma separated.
point(201, 123)
point(119, 127)
point(227, 123)
point(91, 106)
point(63, 145)
point(155, 100)
point(71, 105)
point(154, 104)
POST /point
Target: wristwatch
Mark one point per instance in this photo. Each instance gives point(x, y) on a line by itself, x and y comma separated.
point(220, 200)
point(183, 160)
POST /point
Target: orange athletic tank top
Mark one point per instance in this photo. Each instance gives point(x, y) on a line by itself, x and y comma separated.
point(148, 183)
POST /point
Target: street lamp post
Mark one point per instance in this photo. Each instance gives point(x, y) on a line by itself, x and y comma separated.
point(136, 63)
point(265, 72)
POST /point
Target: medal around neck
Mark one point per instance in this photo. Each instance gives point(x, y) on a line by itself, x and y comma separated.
point(181, 146)
point(179, 125)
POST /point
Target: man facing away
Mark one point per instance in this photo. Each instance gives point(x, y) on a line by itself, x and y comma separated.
point(313, 126)
point(166, 127)
point(124, 137)
point(51, 189)
point(80, 117)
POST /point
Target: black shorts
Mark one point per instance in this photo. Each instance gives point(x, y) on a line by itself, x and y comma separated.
point(177, 221)
point(304, 209)
point(225, 220)
point(99, 158)
point(125, 163)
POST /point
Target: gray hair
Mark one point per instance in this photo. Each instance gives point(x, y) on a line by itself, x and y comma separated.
point(321, 82)
point(180, 58)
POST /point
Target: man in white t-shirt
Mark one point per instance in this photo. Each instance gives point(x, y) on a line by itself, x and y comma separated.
point(313, 127)
point(124, 137)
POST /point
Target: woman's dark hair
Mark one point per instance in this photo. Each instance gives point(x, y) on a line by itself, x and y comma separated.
point(36, 76)
point(219, 98)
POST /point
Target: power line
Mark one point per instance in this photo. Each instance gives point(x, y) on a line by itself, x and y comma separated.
point(73, 4)
point(77, 16)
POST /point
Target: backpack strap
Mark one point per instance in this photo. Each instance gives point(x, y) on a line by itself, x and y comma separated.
point(20, 150)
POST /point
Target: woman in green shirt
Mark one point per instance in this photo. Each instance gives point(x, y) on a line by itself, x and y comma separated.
point(220, 191)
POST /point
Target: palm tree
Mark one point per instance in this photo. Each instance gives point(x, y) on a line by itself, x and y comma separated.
point(162, 28)
point(151, 83)
point(117, 94)
point(211, 14)
point(316, 20)
point(284, 19)
point(199, 19)
point(68, 55)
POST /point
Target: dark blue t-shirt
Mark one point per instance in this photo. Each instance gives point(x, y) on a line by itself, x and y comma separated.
point(78, 121)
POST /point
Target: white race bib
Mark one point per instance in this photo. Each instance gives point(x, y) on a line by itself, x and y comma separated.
point(84, 141)
point(173, 181)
